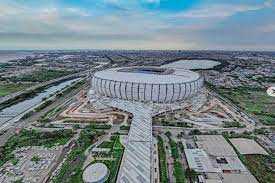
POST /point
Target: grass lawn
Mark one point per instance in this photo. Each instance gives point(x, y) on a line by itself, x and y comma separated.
point(254, 101)
point(6, 89)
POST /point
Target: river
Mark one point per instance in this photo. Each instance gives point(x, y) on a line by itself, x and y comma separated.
point(12, 112)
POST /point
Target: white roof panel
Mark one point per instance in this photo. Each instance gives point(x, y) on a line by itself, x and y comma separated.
point(178, 76)
point(136, 163)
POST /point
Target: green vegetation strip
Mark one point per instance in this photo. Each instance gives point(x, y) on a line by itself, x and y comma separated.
point(179, 171)
point(174, 123)
point(33, 138)
point(41, 75)
point(115, 159)
point(71, 171)
point(162, 162)
point(6, 89)
point(234, 124)
point(123, 127)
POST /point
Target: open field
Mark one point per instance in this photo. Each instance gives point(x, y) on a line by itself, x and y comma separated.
point(6, 89)
point(40, 76)
point(254, 101)
point(247, 146)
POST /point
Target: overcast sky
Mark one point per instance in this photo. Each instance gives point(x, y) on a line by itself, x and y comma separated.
point(137, 24)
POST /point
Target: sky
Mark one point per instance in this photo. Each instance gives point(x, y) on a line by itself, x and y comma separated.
point(138, 24)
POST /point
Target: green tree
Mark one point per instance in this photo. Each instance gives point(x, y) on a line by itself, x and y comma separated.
point(191, 174)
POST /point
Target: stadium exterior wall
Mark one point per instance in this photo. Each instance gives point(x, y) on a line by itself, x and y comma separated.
point(147, 92)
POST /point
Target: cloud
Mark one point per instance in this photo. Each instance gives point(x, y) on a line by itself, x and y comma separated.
point(218, 11)
point(129, 24)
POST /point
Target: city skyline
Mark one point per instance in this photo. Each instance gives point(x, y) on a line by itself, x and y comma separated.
point(137, 24)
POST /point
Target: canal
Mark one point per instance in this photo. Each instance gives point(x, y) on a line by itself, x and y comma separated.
point(8, 114)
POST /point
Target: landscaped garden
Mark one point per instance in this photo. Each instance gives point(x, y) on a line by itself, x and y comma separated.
point(115, 156)
point(71, 171)
point(163, 172)
point(178, 171)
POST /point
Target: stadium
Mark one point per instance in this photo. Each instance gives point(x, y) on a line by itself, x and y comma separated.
point(147, 84)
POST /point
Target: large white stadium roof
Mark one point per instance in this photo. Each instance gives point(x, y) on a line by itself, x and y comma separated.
point(176, 76)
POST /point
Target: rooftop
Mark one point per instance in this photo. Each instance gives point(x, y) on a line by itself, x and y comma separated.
point(192, 64)
point(95, 172)
point(136, 162)
point(215, 145)
point(178, 76)
point(199, 161)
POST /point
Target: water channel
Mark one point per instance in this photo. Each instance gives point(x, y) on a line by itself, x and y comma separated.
point(9, 113)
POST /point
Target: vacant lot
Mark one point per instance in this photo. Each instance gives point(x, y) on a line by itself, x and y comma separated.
point(254, 101)
point(247, 146)
point(6, 89)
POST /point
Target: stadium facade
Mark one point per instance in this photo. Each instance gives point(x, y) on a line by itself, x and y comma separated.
point(147, 84)
point(136, 85)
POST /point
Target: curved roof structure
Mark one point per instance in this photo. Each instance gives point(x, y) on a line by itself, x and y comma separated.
point(147, 84)
point(150, 75)
point(192, 64)
point(95, 173)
